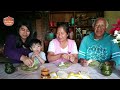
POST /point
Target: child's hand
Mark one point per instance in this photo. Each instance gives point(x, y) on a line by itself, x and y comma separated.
point(33, 56)
point(36, 53)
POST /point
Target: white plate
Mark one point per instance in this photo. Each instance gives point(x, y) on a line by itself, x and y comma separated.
point(62, 74)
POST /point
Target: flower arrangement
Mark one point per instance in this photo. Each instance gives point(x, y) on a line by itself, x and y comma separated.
point(116, 32)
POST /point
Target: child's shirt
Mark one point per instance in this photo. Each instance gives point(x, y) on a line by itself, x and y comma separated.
point(36, 60)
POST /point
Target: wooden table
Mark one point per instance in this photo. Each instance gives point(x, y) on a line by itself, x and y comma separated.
point(94, 73)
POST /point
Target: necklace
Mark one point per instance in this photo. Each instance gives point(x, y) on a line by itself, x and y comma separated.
point(24, 46)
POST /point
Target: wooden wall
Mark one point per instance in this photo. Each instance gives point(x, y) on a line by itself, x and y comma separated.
point(112, 17)
point(63, 17)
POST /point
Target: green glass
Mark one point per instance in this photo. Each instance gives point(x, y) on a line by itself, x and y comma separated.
point(72, 21)
point(106, 69)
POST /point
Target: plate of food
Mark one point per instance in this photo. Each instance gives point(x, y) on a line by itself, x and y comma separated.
point(78, 75)
point(24, 67)
point(59, 75)
point(94, 63)
point(64, 65)
point(64, 75)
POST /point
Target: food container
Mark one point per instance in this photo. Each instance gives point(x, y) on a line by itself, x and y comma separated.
point(106, 69)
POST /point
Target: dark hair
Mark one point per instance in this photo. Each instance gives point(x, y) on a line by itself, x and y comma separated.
point(34, 41)
point(65, 27)
point(19, 42)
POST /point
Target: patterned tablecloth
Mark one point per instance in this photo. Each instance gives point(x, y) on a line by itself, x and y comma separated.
point(94, 73)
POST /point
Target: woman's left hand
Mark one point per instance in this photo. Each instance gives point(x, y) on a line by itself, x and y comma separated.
point(72, 58)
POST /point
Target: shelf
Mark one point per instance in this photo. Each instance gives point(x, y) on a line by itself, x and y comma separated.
point(82, 19)
point(58, 12)
point(53, 27)
point(87, 26)
point(56, 27)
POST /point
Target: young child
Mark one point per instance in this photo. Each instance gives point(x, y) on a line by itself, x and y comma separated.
point(37, 55)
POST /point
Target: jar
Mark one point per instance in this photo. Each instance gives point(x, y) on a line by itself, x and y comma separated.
point(72, 21)
point(106, 69)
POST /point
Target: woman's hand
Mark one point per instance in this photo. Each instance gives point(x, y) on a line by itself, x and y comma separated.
point(26, 60)
point(65, 56)
point(72, 58)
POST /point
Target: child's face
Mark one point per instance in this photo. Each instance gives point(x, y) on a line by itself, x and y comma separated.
point(36, 48)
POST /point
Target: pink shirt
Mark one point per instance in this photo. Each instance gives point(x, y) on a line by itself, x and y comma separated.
point(58, 50)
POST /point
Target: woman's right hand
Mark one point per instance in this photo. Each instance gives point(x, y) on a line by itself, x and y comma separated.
point(26, 60)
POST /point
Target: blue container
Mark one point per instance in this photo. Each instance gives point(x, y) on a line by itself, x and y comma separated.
point(50, 36)
point(72, 21)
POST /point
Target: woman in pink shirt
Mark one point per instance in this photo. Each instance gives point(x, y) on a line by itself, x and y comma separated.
point(62, 49)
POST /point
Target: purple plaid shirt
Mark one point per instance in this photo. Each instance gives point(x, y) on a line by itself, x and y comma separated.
point(12, 52)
